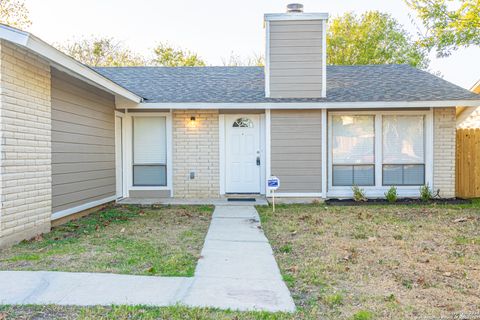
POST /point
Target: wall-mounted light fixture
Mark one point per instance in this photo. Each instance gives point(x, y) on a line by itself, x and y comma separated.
point(193, 122)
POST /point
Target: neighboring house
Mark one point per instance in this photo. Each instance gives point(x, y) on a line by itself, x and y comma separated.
point(73, 137)
point(469, 117)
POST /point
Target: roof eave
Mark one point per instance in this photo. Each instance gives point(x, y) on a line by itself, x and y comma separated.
point(64, 62)
point(309, 105)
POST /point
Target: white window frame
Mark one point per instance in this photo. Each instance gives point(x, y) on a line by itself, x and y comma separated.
point(129, 150)
point(378, 189)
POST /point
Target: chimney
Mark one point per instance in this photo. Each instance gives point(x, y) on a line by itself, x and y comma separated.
point(295, 54)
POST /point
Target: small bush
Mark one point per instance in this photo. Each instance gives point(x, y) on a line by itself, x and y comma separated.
point(358, 194)
point(391, 195)
point(426, 193)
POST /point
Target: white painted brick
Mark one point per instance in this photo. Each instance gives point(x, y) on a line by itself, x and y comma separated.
point(196, 149)
point(25, 129)
point(444, 122)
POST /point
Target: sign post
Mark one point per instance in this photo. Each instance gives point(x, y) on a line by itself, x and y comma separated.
point(273, 183)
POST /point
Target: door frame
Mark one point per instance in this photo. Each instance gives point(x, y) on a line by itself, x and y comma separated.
point(222, 125)
point(120, 115)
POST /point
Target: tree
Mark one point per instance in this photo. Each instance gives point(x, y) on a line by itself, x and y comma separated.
point(169, 56)
point(235, 60)
point(14, 13)
point(102, 52)
point(449, 24)
point(372, 38)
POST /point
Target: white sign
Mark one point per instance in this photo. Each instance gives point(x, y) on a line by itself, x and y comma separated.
point(273, 183)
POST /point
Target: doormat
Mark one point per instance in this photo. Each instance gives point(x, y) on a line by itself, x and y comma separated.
point(241, 199)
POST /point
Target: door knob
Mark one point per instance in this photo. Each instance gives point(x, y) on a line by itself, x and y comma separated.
point(258, 161)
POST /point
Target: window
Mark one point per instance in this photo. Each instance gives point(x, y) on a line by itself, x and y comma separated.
point(403, 150)
point(149, 151)
point(353, 150)
point(243, 123)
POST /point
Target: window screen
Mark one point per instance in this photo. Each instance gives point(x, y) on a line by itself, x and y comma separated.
point(149, 151)
point(353, 150)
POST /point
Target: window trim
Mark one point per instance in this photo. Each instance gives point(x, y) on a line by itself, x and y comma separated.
point(378, 189)
point(129, 150)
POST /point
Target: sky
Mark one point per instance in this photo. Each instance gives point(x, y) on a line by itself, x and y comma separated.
point(212, 28)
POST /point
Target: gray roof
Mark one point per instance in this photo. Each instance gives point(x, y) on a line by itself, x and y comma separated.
point(247, 85)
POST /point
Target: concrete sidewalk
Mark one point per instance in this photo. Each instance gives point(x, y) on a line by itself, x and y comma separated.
point(237, 271)
point(84, 289)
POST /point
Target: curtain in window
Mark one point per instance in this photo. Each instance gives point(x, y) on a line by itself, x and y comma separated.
point(403, 150)
point(353, 150)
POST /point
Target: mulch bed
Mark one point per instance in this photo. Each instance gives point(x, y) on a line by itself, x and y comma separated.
point(403, 201)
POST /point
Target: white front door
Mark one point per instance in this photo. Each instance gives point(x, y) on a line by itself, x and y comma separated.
point(118, 156)
point(242, 158)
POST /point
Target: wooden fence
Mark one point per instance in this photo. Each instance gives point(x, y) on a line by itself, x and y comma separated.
point(468, 163)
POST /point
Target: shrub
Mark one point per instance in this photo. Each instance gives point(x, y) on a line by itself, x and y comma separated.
point(391, 195)
point(358, 194)
point(426, 193)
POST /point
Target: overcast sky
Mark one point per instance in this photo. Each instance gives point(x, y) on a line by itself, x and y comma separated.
point(212, 28)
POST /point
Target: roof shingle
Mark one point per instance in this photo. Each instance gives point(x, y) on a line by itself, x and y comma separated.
point(246, 84)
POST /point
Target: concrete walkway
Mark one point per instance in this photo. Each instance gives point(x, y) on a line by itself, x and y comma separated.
point(237, 271)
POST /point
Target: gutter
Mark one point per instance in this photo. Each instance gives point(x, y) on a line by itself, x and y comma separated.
point(309, 105)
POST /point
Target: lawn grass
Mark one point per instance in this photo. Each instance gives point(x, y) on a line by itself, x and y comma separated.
point(361, 263)
point(378, 262)
point(130, 313)
point(119, 239)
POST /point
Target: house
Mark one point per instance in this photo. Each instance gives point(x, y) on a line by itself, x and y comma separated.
point(469, 117)
point(73, 137)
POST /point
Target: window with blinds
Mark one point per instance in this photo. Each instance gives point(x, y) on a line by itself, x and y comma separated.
point(353, 150)
point(149, 151)
point(403, 150)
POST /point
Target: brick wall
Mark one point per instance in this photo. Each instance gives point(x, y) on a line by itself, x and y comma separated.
point(444, 151)
point(25, 145)
point(195, 149)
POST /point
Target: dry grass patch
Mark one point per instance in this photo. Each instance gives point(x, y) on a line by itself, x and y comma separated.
point(125, 239)
point(382, 262)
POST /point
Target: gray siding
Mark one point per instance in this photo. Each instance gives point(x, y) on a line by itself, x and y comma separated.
point(83, 143)
point(295, 64)
point(296, 150)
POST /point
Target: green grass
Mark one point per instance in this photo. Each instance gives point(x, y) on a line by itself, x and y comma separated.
point(131, 313)
point(125, 239)
point(360, 263)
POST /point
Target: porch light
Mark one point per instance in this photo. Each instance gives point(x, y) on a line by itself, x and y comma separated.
point(193, 122)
